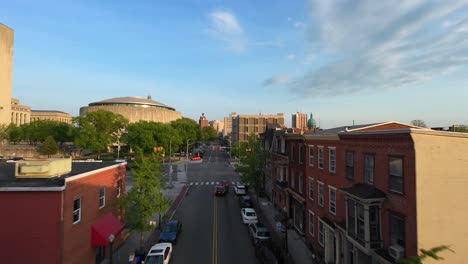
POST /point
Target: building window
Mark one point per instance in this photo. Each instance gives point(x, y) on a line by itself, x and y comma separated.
point(311, 155)
point(311, 189)
point(246, 129)
point(283, 145)
point(256, 129)
point(119, 187)
point(301, 183)
point(360, 221)
point(320, 194)
point(246, 121)
point(301, 155)
point(293, 180)
point(332, 160)
point(321, 236)
point(332, 199)
point(320, 157)
point(311, 223)
point(292, 153)
point(395, 165)
point(369, 169)
point(76, 210)
point(397, 230)
point(102, 197)
point(349, 165)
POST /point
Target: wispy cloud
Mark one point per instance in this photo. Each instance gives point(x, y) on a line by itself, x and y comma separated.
point(276, 80)
point(226, 27)
point(299, 24)
point(414, 41)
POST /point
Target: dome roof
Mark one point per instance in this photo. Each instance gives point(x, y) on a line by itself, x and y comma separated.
point(132, 100)
point(311, 123)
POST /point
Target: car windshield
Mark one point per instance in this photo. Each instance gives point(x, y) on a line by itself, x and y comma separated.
point(250, 214)
point(264, 234)
point(219, 188)
point(159, 259)
point(240, 187)
point(169, 229)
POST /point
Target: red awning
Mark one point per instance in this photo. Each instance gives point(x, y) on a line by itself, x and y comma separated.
point(105, 227)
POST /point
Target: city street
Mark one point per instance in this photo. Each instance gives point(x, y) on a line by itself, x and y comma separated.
point(212, 228)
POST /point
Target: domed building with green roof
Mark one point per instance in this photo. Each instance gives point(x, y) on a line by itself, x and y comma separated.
point(135, 109)
point(311, 123)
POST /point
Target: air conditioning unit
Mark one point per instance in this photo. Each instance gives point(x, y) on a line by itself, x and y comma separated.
point(396, 251)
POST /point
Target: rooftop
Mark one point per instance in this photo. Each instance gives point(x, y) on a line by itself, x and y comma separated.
point(132, 100)
point(8, 179)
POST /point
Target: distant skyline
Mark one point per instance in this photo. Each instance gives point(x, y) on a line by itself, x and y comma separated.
point(367, 61)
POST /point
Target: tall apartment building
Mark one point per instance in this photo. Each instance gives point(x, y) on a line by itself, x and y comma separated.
point(228, 124)
point(6, 72)
point(244, 125)
point(203, 122)
point(299, 120)
point(218, 125)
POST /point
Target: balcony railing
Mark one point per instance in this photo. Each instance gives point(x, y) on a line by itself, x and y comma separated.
point(281, 184)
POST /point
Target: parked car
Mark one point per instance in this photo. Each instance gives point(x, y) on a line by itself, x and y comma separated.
point(259, 232)
point(245, 201)
point(159, 254)
point(239, 189)
point(196, 158)
point(249, 216)
point(170, 231)
point(220, 190)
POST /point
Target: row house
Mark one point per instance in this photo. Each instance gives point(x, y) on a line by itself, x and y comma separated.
point(380, 192)
point(59, 211)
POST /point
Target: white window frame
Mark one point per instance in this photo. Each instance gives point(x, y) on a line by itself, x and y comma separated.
point(102, 199)
point(311, 184)
point(332, 168)
point(369, 179)
point(320, 196)
point(77, 210)
point(331, 204)
point(311, 155)
point(311, 223)
point(320, 157)
point(321, 232)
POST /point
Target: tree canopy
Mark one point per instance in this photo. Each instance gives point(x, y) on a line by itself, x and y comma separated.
point(208, 133)
point(97, 130)
point(252, 161)
point(419, 123)
point(49, 147)
point(187, 129)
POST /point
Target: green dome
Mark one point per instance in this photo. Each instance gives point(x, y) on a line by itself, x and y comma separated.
point(311, 123)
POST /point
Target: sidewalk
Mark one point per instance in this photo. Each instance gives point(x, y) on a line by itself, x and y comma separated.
point(297, 248)
point(175, 195)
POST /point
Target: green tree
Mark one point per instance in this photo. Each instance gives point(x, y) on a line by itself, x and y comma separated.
point(139, 135)
point(15, 133)
point(3, 132)
point(97, 130)
point(38, 130)
point(49, 147)
point(187, 129)
point(208, 133)
point(252, 161)
point(144, 199)
point(425, 254)
point(460, 128)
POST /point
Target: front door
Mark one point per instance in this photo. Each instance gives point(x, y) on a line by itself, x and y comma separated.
point(100, 254)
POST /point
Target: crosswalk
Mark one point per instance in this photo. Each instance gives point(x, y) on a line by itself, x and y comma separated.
point(200, 183)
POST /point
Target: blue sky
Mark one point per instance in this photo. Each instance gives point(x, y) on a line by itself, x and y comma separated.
point(367, 61)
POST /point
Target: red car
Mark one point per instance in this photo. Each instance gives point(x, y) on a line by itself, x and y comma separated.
point(225, 184)
point(196, 158)
point(220, 190)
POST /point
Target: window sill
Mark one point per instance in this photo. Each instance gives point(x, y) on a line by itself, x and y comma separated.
point(396, 192)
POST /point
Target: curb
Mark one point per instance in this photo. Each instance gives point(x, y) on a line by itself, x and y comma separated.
point(180, 197)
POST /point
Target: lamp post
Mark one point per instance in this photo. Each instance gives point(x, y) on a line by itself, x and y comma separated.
point(111, 241)
point(170, 186)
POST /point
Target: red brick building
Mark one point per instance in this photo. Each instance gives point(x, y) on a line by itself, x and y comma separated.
point(56, 215)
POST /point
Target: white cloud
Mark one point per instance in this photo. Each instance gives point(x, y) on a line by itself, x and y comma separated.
point(226, 27)
point(276, 80)
point(299, 24)
point(364, 50)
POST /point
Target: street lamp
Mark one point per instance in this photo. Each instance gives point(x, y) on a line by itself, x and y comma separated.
point(170, 186)
point(111, 241)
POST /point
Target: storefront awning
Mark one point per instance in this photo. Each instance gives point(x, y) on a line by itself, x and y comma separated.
point(104, 228)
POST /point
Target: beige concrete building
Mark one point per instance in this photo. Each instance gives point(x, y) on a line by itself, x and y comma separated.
point(20, 114)
point(135, 109)
point(244, 125)
point(228, 124)
point(6, 72)
point(51, 115)
point(299, 120)
point(218, 125)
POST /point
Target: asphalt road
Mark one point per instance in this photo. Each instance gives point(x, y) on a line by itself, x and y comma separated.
point(212, 231)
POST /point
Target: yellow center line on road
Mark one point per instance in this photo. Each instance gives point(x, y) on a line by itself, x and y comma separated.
point(215, 232)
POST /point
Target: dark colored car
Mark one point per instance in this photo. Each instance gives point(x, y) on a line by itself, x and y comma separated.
point(225, 184)
point(220, 190)
point(170, 231)
point(245, 201)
